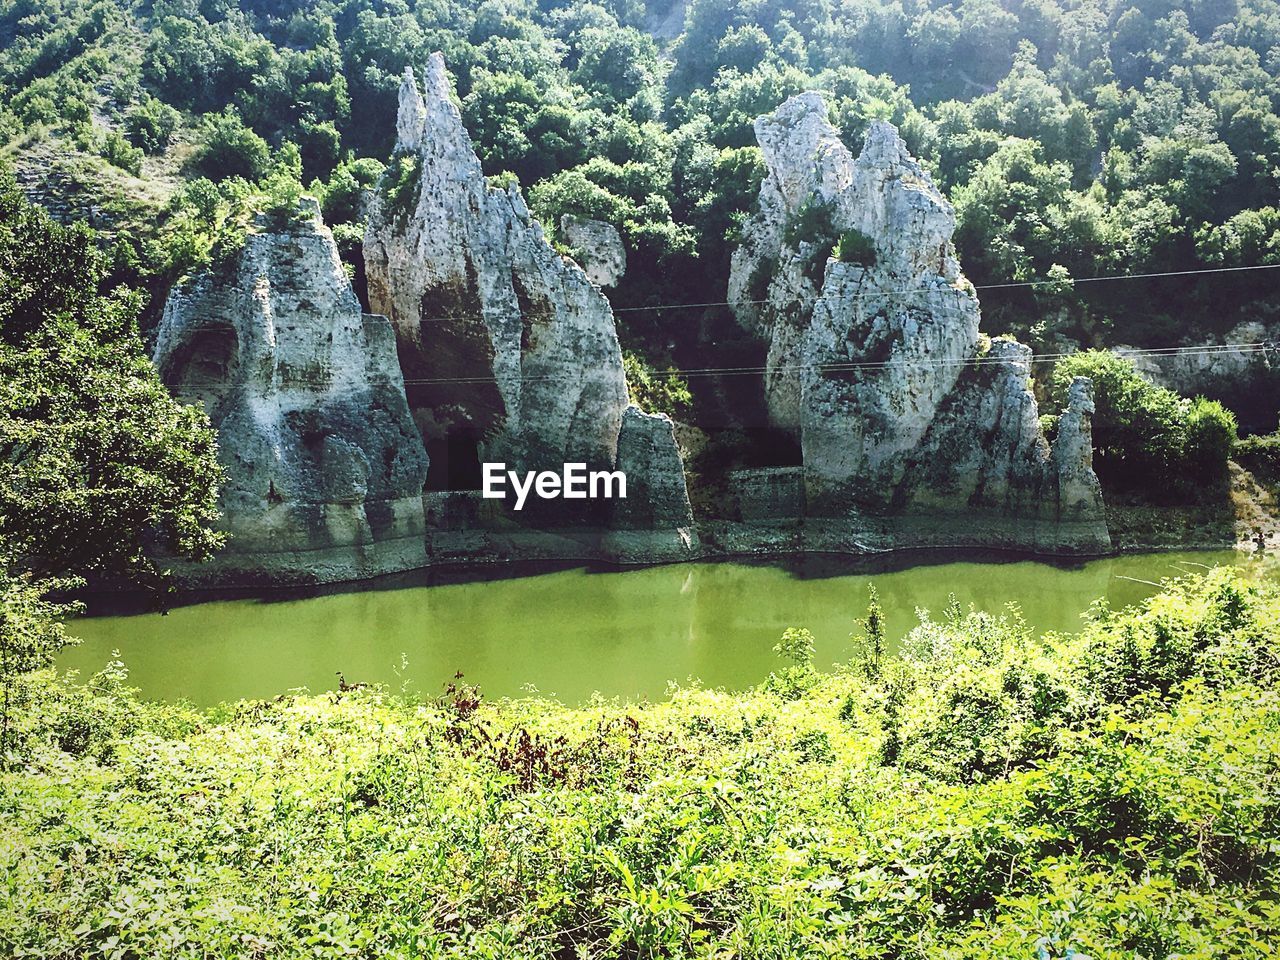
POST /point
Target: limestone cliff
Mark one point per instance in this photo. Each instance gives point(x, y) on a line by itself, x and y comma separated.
point(597, 247)
point(1231, 369)
point(509, 350)
point(875, 362)
point(501, 339)
point(324, 466)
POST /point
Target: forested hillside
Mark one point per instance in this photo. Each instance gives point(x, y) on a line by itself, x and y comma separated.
point(1076, 139)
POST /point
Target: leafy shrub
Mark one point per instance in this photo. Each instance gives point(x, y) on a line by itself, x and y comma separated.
point(117, 151)
point(32, 630)
point(230, 149)
point(503, 180)
point(655, 392)
point(340, 197)
point(854, 246)
point(1047, 799)
point(1261, 455)
point(150, 125)
point(400, 183)
point(1211, 439)
point(812, 224)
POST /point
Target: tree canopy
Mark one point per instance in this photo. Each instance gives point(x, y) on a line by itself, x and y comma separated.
point(99, 465)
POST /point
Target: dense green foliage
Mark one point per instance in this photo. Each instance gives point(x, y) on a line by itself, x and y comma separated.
point(656, 392)
point(100, 468)
point(98, 462)
point(1077, 139)
point(1261, 455)
point(984, 795)
point(1147, 438)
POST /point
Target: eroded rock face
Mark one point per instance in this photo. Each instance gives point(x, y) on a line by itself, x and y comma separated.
point(1231, 369)
point(504, 343)
point(875, 361)
point(324, 466)
point(501, 339)
point(598, 246)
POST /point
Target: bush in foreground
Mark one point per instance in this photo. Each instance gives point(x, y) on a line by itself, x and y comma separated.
point(983, 795)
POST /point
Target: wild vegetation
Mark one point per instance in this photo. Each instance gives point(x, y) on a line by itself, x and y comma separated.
point(1076, 139)
point(1144, 434)
point(984, 794)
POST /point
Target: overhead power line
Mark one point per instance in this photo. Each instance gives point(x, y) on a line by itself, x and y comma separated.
point(1247, 349)
point(897, 291)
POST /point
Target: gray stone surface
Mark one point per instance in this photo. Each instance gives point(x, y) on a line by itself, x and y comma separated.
point(598, 247)
point(1214, 364)
point(902, 410)
point(324, 466)
point(520, 344)
point(501, 339)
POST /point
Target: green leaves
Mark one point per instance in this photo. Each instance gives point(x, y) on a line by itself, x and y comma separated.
point(98, 464)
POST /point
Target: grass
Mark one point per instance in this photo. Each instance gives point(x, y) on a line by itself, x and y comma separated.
point(1111, 794)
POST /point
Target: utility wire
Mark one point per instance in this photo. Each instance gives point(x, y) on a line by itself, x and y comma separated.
point(852, 365)
point(899, 291)
point(1260, 348)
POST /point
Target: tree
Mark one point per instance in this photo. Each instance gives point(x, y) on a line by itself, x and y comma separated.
point(230, 149)
point(99, 465)
point(616, 64)
point(1147, 439)
point(1212, 432)
point(150, 125)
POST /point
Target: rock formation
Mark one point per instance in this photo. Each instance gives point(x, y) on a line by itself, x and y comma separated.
point(597, 246)
point(324, 466)
point(509, 350)
point(876, 365)
point(1230, 369)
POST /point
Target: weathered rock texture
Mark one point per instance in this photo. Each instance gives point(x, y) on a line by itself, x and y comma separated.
point(903, 411)
point(1246, 378)
point(506, 345)
point(324, 466)
point(598, 248)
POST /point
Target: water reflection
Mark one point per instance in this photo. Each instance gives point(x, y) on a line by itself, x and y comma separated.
point(569, 633)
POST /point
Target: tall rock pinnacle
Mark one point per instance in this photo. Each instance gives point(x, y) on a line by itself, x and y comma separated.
point(510, 352)
point(875, 361)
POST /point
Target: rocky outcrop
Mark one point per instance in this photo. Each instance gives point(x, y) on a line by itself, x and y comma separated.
point(324, 466)
point(1233, 369)
point(655, 521)
point(509, 350)
point(597, 247)
point(903, 411)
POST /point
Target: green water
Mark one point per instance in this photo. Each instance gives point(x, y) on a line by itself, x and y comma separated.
point(570, 633)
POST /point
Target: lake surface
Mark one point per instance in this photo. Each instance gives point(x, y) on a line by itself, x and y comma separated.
point(570, 633)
